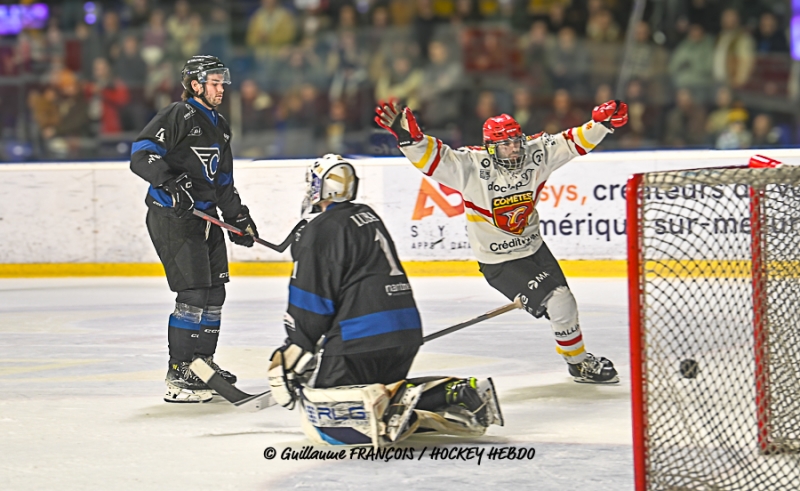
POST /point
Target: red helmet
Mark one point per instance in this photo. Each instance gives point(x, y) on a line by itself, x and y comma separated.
point(501, 131)
point(500, 128)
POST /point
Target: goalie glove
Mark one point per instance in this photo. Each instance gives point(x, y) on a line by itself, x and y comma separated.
point(401, 123)
point(289, 366)
point(613, 112)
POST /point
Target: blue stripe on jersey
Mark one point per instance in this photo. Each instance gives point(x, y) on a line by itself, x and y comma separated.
point(224, 178)
point(183, 324)
point(163, 197)
point(380, 323)
point(165, 200)
point(148, 146)
point(310, 301)
point(212, 115)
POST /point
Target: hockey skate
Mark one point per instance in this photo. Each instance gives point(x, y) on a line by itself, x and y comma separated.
point(594, 370)
point(400, 410)
point(183, 386)
point(464, 393)
point(226, 375)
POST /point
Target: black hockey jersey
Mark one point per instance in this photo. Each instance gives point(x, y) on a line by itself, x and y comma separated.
point(348, 285)
point(187, 137)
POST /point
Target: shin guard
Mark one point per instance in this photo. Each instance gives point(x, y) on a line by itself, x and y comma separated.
point(183, 332)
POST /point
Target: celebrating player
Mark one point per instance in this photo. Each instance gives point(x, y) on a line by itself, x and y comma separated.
point(353, 330)
point(500, 183)
point(185, 155)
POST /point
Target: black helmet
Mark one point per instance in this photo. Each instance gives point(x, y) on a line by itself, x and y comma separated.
point(198, 68)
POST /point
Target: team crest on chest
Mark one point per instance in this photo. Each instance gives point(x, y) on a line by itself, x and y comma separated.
point(511, 213)
point(209, 156)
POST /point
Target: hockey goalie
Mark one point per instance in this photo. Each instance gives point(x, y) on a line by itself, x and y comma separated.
point(354, 329)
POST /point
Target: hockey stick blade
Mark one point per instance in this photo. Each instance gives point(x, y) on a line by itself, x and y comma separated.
point(230, 393)
point(516, 304)
point(280, 247)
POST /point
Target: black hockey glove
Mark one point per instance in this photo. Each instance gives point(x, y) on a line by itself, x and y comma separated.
point(180, 189)
point(399, 122)
point(244, 223)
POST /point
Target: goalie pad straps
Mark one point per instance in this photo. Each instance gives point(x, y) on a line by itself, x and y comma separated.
point(288, 366)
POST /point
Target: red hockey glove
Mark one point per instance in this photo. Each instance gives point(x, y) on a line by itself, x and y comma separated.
point(402, 124)
point(615, 112)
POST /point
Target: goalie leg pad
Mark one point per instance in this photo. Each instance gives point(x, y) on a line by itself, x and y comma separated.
point(563, 313)
point(347, 415)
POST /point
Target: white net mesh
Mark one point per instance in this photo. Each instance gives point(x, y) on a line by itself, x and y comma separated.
point(721, 295)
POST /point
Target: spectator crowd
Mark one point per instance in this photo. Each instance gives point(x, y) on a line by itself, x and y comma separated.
point(306, 73)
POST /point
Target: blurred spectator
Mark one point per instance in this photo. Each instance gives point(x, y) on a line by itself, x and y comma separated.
point(765, 134)
point(335, 128)
point(535, 45)
point(643, 58)
point(556, 18)
point(690, 65)
point(348, 18)
point(301, 66)
point(270, 28)
point(735, 137)
point(73, 112)
point(466, 12)
point(217, 34)
point(424, 26)
point(44, 110)
point(685, 124)
point(439, 91)
point(178, 28)
point(721, 115)
point(256, 108)
point(111, 37)
point(130, 66)
point(402, 82)
point(106, 95)
point(769, 39)
point(154, 38)
point(524, 112)
point(472, 125)
point(705, 13)
point(192, 41)
point(642, 119)
point(91, 48)
point(138, 13)
point(348, 67)
point(602, 27)
point(734, 55)
point(160, 84)
point(31, 53)
point(54, 40)
point(563, 115)
point(602, 94)
point(568, 62)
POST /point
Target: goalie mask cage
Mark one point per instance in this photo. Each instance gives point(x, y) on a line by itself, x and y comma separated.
point(714, 284)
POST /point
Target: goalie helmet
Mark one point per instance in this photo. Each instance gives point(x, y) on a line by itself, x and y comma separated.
point(504, 140)
point(330, 178)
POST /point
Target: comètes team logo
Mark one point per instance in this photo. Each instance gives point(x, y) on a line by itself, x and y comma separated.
point(209, 156)
point(511, 213)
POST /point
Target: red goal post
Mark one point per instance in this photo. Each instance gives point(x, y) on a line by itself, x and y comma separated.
point(714, 284)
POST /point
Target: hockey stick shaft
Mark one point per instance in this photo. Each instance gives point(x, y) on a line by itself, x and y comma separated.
point(280, 247)
point(516, 304)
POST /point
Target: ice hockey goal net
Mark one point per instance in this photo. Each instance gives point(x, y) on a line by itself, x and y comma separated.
point(714, 286)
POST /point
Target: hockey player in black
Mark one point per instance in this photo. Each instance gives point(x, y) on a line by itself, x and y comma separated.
point(352, 317)
point(185, 155)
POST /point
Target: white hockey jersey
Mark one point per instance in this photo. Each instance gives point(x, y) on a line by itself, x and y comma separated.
point(502, 221)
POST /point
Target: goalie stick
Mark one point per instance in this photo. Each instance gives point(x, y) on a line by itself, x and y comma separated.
point(233, 395)
point(280, 247)
point(263, 400)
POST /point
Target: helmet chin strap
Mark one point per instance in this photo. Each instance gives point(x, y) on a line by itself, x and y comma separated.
point(203, 98)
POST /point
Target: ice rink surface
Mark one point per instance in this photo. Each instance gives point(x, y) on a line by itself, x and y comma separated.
point(82, 365)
